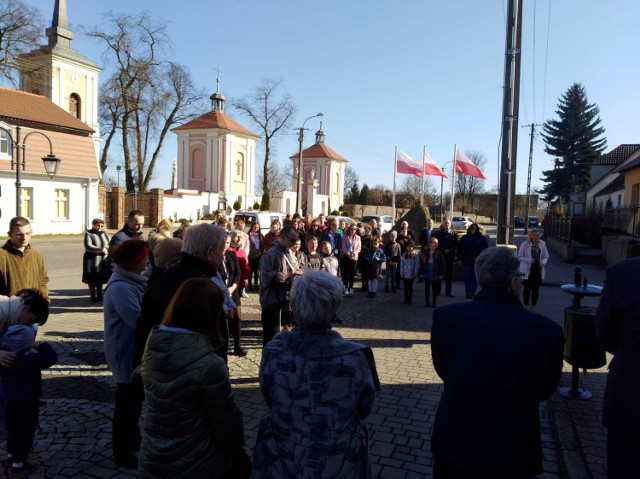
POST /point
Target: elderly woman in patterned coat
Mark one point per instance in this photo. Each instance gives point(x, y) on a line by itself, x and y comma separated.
point(319, 389)
point(94, 269)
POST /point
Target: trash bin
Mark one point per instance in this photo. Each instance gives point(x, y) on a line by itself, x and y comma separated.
point(581, 347)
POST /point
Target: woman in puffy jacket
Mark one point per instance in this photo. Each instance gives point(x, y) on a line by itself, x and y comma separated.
point(193, 427)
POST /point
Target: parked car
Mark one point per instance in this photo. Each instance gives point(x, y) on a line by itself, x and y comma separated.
point(519, 222)
point(533, 222)
point(263, 217)
point(350, 221)
point(460, 222)
point(385, 223)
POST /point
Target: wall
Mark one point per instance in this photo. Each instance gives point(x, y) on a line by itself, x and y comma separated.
point(618, 248)
point(82, 201)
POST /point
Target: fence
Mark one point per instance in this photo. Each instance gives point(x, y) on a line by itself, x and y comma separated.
point(560, 229)
point(622, 220)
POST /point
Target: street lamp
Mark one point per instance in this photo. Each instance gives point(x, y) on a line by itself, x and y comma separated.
point(51, 161)
point(441, 184)
point(299, 186)
point(119, 169)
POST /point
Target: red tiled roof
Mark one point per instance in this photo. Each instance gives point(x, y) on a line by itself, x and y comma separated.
point(76, 152)
point(19, 106)
point(216, 119)
point(617, 155)
point(319, 151)
point(71, 139)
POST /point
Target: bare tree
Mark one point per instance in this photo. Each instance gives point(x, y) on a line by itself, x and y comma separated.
point(21, 28)
point(351, 188)
point(411, 189)
point(467, 187)
point(272, 111)
point(279, 178)
point(145, 96)
point(380, 195)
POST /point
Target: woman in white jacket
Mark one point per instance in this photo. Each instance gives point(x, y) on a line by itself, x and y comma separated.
point(533, 256)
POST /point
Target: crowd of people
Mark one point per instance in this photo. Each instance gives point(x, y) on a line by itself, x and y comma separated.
point(172, 314)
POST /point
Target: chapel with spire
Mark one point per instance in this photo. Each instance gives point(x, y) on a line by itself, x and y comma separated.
point(323, 172)
point(217, 154)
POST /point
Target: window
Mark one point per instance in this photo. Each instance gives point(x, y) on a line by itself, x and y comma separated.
point(26, 197)
point(74, 105)
point(61, 204)
point(5, 145)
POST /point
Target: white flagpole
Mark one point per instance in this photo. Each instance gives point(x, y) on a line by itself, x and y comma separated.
point(395, 170)
point(424, 157)
point(453, 179)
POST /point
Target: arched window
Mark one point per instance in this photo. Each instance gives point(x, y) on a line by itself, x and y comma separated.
point(74, 105)
point(336, 187)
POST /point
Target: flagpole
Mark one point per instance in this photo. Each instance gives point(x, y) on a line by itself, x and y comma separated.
point(424, 164)
point(453, 179)
point(395, 170)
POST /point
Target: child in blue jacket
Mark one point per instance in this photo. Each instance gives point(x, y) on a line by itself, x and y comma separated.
point(22, 382)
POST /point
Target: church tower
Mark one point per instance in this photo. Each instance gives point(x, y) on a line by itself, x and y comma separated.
point(60, 73)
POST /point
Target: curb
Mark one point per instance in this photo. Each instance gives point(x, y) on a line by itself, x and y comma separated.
point(572, 462)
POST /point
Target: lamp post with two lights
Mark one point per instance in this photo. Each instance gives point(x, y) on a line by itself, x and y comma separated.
point(51, 162)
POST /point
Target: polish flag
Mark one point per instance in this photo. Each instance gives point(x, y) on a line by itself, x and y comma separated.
point(465, 166)
point(406, 164)
point(430, 167)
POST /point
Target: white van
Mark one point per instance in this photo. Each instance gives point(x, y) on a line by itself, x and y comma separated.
point(263, 217)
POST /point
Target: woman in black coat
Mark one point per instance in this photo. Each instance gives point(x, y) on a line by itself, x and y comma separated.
point(94, 269)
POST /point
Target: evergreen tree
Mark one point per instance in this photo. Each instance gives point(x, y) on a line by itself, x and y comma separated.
point(364, 195)
point(574, 140)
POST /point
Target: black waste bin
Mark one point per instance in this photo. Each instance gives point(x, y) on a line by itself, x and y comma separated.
point(581, 347)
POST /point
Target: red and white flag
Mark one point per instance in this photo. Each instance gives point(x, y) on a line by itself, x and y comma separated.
point(406, 164)
point(430, 167)
point(465, 166)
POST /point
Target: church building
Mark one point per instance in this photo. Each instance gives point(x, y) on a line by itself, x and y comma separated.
point(54, 112)
point(216, 154)
point(322, 179)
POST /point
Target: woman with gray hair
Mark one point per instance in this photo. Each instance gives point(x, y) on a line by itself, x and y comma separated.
point(319, 388)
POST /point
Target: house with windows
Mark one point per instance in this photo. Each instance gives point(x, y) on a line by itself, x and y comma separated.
point(54, 111)
point(32, 127)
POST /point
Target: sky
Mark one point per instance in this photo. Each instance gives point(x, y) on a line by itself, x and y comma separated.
point(405, 73)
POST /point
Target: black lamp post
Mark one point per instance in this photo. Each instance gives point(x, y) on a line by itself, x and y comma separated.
point(51, 161)
point(300, 165)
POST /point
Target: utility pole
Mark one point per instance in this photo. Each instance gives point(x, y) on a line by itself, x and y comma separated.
point(510, 110)
point(528, 199)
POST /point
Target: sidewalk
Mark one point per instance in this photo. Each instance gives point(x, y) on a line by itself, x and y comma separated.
point(74, 437)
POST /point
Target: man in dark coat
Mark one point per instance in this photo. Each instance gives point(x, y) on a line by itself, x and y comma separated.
point(618, 327)
point(425, 235)
point(202, 253)
point(131, 230)
point(447, 245)
point(498, 361)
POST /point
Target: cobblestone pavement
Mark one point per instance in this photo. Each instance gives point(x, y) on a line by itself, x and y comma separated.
point(74, 435)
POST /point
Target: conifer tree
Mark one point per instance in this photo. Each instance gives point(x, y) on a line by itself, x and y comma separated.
point(575, 141)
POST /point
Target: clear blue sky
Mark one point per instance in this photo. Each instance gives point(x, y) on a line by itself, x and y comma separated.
point(406, 73)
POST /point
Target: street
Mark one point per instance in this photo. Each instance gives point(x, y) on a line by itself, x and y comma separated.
point(74, 437)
